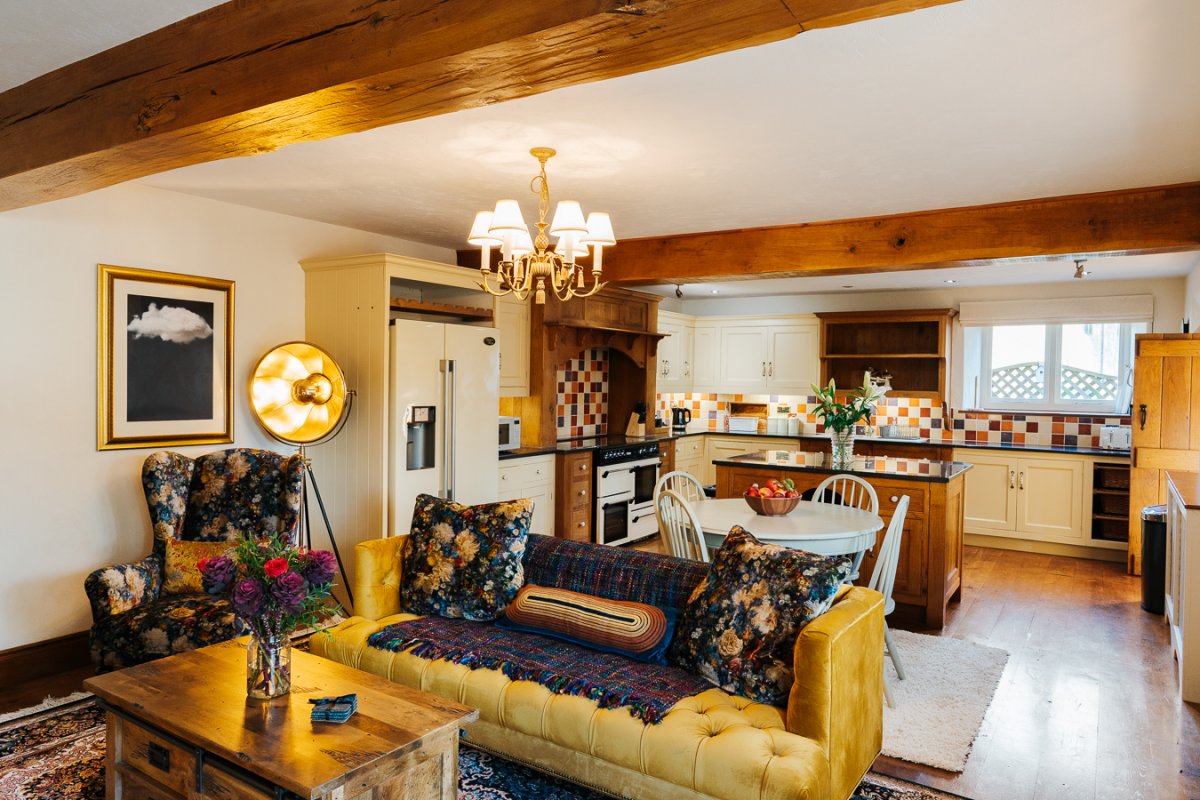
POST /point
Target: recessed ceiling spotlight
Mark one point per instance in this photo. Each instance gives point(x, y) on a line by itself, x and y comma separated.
point(949, 280)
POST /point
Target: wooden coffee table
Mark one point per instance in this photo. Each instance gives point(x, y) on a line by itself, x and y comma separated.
point(182, 728)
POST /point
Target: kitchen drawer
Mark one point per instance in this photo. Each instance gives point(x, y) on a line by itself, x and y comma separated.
point(689, 447)
point(579, 495)
point(889, 496)
point(164, 761)
point(523, 472)
point(578, 528)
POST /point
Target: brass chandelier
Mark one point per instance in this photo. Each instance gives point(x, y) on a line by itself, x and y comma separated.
point(528, 265)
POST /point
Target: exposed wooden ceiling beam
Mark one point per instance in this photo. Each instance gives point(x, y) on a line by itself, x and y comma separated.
point(251, 76)
point(1162, 219)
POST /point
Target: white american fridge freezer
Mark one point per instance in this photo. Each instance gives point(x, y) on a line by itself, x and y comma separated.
point(444, 406)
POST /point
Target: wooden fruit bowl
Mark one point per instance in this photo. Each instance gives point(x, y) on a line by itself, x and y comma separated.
point(772, 506)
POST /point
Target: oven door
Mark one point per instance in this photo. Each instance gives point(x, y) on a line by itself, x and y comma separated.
point(645, 476)
point(612, 519)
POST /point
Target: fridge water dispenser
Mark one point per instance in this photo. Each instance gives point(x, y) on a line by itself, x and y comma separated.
point(421, 437)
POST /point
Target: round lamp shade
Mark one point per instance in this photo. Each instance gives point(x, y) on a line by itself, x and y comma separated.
point(298, 393)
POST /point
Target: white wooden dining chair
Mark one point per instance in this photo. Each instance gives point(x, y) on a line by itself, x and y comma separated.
point(847, 490)
point(681, 483)
point(679, 527)
point(883, 578)
point(850, 491)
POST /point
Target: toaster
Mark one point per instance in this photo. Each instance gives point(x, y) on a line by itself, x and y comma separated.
point(1116, 437)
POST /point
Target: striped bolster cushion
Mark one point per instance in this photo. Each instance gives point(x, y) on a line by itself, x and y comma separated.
point(641, 632)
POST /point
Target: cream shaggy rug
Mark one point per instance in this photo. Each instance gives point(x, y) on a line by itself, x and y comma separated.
point(941, 703)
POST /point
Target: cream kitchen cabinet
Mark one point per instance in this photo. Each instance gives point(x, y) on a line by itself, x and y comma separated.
point(531, 477)
point(512, 324)
point(706, 356)
point(769, 356)
point(689, 455)
point(1035, 496)
point(675, 352)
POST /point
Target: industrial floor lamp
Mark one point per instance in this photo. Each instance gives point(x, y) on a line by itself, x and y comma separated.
point(299, 396)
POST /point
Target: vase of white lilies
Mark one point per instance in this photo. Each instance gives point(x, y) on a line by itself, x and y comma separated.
point(840, 418)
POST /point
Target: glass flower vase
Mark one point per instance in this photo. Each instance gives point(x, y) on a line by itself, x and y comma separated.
point(268, 666)
point(843, 447)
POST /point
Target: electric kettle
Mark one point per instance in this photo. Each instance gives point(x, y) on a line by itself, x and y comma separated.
point(680, 417)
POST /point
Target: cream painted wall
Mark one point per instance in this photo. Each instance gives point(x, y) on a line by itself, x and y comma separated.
point(67, 508)
point(1191, 309)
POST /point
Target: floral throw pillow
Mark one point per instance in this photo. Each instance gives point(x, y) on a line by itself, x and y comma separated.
point(464, 561)
point(739, 628)
point(181, 571)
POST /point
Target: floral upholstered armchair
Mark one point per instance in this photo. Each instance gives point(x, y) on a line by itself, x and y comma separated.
point(155, 607)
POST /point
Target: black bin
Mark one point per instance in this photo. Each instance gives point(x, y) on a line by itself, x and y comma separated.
point(1154, 558)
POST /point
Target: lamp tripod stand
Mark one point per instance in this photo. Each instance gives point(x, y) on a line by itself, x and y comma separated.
point(299, 395)
point(305, 524)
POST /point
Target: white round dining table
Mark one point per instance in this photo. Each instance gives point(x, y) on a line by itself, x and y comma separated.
point(822, 528)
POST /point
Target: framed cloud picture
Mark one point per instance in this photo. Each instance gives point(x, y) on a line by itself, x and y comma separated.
point(165, 345)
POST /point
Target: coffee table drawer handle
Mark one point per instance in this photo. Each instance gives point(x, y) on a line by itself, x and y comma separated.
point(159, 756)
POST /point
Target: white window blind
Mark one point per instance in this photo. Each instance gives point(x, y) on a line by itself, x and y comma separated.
point(1065, 311)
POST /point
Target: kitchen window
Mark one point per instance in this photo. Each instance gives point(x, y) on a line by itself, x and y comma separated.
point(1070, 366)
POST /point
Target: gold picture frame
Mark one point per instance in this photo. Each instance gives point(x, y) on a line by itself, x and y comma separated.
point(164, 359)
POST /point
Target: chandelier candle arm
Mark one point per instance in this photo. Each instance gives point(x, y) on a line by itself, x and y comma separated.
point(528, 265)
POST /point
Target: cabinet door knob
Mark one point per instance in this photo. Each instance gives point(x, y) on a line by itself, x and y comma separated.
point(583, 492)
point(894, 498)
point(580, 525)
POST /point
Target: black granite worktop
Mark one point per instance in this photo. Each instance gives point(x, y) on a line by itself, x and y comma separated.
point(934, 445)
point(916, 469)
point(526, 452)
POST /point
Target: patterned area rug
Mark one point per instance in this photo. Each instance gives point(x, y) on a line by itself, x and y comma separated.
point(57, 753)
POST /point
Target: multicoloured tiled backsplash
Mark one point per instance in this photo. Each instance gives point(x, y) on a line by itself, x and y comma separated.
point(915, 413)
point(582, 407)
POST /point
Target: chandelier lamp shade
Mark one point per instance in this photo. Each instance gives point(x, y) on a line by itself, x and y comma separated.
point(528, 265)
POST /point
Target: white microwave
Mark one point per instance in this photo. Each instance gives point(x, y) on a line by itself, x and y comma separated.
point(510, 433)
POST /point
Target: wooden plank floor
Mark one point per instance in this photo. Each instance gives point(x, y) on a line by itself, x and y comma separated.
point(1088, 708)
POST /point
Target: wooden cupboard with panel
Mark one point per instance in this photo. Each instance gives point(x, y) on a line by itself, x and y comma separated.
point(573, 489)
point(929, 573)
point(1166, 423)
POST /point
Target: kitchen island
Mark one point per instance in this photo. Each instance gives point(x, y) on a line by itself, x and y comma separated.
point(929, 574)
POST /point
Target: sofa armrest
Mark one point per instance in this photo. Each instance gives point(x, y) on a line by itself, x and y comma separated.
point(837, 697)
point(121, 587)
point(377, 568)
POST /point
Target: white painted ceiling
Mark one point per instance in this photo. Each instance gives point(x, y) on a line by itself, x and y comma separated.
point(975, 102)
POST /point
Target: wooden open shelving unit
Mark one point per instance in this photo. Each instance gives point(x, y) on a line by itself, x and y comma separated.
point(1110, 502)
point(441, 309)
point(914, 345)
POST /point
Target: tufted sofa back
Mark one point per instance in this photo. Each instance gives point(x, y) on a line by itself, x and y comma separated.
point(611, 572)
point(221, 495)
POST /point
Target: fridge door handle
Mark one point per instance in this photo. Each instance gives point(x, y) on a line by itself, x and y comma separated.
point(448, 423)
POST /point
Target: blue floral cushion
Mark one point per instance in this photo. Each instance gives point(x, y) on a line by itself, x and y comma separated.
point(740, 625)
point(464, 561)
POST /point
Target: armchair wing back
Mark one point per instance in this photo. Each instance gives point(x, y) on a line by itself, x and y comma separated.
point(216, 497)
point(222, 495)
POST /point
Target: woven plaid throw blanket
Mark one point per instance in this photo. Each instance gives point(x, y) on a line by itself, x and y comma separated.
point(613, 681)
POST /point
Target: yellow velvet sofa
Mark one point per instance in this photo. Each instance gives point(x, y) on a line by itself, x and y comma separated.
point(711, 745)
